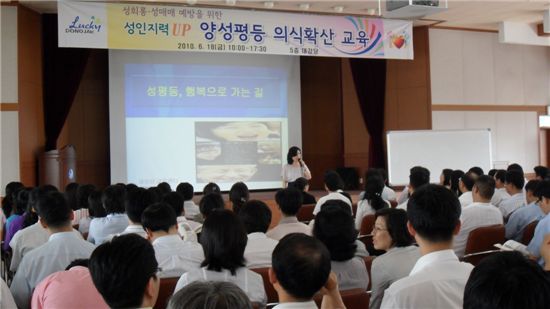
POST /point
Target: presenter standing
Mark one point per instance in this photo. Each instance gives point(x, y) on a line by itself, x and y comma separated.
point(295, 167)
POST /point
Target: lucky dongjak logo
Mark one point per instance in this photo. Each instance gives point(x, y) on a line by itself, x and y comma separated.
point(84, 25)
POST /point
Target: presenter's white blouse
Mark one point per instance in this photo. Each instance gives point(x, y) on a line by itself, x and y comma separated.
point(290, 172)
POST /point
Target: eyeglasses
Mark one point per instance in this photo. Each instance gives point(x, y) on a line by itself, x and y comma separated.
point(377, 230)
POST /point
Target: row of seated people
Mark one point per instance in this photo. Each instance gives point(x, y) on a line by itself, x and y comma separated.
point(433, 218)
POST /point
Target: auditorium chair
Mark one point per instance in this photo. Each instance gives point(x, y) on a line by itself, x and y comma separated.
point(272, 296)
point(481, 241)
point(365, 232)
point(305, 214)
point(529, 232)
point(167, 286)
point(368, 264)
point(354, 209)
point(353, 299)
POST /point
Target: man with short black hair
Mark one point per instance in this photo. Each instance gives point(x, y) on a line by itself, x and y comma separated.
point(334, 186)
point(514, 186)
point(419, 177)
point(186, 228)
point(500, 191)
point(541, 172)
point(256, 217)
point(174, 255)
point(116, 220)
point(478, 214)
point(124, 271)
point(301, 267)
point(522, 217)
point(465, 185)
point(438, 277)
point(136, 202)
point(302, 184)
point(289, 201)
point(190, 209)
point(63, 246)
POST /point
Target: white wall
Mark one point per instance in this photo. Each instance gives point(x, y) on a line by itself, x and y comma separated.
point(9, 120)
point(472, 68)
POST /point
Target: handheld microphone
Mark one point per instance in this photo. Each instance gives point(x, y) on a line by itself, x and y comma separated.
point(301, 162)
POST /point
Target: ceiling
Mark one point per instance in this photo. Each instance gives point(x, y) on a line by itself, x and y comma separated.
point(477, 14)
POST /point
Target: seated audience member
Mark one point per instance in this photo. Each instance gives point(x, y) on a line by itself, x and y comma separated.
point(514, 186)
point(190, 209)
point(419, 177)
point(186, 228)
point(164, 188)
point(455, 178)
point(17, 219)
point(371, 199)
point(136, 202)
point(124, 271)
point(116, 220)
point(6, 299)
point(82, 214)
point(63, 246)
point(543, 227)
point(520, 218)
point(500, 191)
point(289, 201)
point(445, 178)
point(95, 210)
point(238, 195)
point(334, 186)
point(541, 172)
point(211, 188)
point(388, 193)
point(210, 294)
point(209, 203)
point(223, 239)
point(334, 227)
point(301, 268)
point(515, 167)
point(507, 280)
point(256, 217)
point(71, 288)
point(302, 185)
point(438, 278)
point(33, 233)
point(465, 185)
point(480, 213)
point(475, 172)
point(70, 196)
point(390, 234)
point(492, 172)
point(174, 255)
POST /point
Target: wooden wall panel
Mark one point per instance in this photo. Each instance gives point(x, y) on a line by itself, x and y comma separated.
point(322, 133)
point(31, 113)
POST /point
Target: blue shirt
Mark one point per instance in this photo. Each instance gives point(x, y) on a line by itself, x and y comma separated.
point(520, 219)
point(542, 229)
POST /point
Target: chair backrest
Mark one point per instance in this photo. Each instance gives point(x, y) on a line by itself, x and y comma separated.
point(354, 209)
point(306, 213)
point(368, 263)
point(272, 296)
point(167, 286)
point(483, 239)
point(353, 299)
point(367, 224)
point(529, 232)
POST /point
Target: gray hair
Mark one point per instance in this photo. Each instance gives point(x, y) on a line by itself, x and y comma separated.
point(210, 295)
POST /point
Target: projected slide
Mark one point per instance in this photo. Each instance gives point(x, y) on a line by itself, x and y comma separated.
point(203, 123)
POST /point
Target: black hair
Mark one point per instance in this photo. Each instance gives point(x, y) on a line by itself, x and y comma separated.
point(543, 189)
point(455, 177)
point(122, 268)
point(515, 178)
point(447, 172)
point(70, 195)
point(186, 190)
point(468, 181)
point(82, 194)
point(374, 185)
point(238, 195)
point(434, 212)
point(78, 262)
point(507, 280)
point(256, 216)
point(301, 264)
point(21, 201)
point(157, 193)
point(500, 175)
point(515, 167)
point(300, 183)
point(113, 199)
point(337, 203)
point(175, 200)
point(292, 152)
point(209, 203)
point(418, 178)
point(333, 181)
point(54, 210)
point(289, 201)
point(396, 224)
point(11, 191)
point(541, 171)
point(223, 240)
point(532, 185)
point(486, 186)
point(211, 188)
point(335, 228)
point(136, 202)
point(158, 217)
point(131, 186)
point(31, 214)
point(210, 295)
point(492, 172)
point(164, 187)
point(95, 205)
point(476, 170)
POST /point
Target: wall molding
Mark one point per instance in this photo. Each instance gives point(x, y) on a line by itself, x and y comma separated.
point(539, 109)
point(9, 107)
point(436, 26)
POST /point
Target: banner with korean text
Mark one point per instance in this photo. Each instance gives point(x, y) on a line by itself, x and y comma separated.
point(183, 28)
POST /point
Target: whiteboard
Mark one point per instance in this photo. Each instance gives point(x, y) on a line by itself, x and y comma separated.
point(436, 150)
